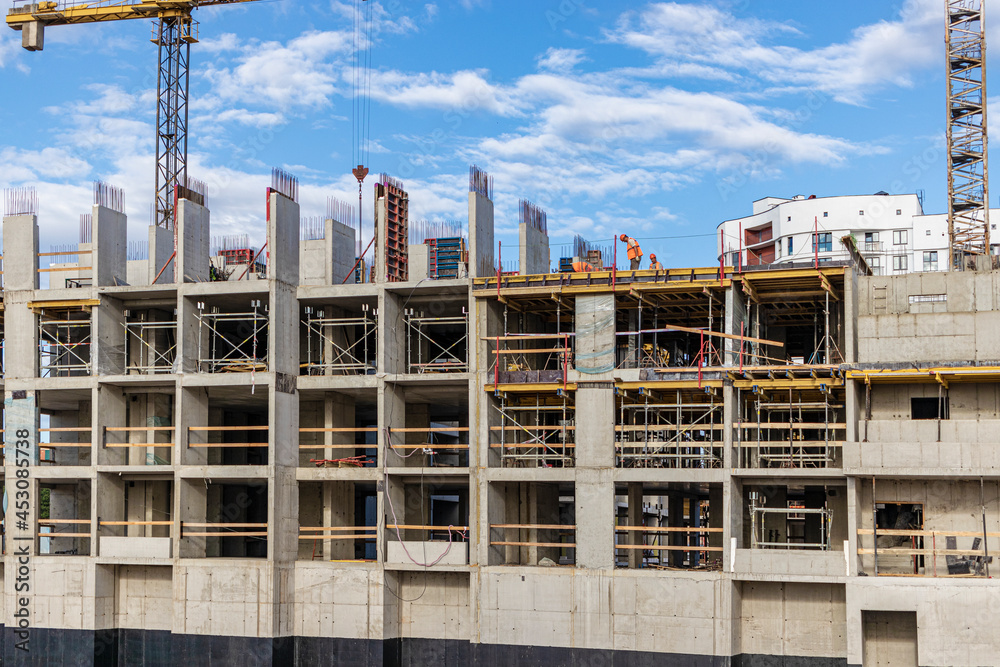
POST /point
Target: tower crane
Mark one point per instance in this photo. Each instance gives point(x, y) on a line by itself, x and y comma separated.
point(174, 31)
point(968, 174)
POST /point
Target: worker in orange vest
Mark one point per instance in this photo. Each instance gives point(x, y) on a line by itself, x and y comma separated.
point(634, 251)
point(582, 267)
point(653, 264)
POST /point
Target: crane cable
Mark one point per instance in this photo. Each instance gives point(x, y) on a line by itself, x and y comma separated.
point(361, 116)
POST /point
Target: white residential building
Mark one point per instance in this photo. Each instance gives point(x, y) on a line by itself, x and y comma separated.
point(891, 231)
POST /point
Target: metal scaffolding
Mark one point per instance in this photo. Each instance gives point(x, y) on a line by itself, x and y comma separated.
point(150, 346)
point(433, 346)
point(64, 346)
point(758, 514)
point(789, 428)
point(535, 431)
point(654, 431)
point(237, 342)
point(340, 345)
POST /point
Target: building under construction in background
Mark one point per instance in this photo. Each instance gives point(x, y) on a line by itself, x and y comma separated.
point(261, 453)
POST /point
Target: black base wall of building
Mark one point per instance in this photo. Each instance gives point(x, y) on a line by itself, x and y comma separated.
point(158, 648)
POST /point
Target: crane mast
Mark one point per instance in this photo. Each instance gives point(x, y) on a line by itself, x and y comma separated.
point(174, 31)
point(968, 182)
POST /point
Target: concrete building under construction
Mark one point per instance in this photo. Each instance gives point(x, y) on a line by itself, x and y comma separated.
point(679, 467)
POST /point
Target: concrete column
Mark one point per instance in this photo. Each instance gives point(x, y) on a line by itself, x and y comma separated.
point(193, 234)
point(338, 510)
point(20, 256)
point(481, 244)
point(161, 251)
point(111, 409)
point(21, 426)
point(70, 501)
point(189, 336)
point(110, 238)
point(534, 250)
point(595, 491)
point(342, 243)
point(391, 335)
point(392, 414)
point(339, 412)
point(109, 505)
point(107, 338)
point(191, 503)
point(192, 410)
point(635, 517)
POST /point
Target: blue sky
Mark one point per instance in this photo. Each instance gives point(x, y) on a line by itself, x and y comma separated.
point(657, 119)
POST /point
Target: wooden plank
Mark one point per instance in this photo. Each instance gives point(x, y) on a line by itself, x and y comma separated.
point(893, 532)
point(67, 429)
point(429, 446)
point(136, 445)
point(338, 528)
point(228, 428)
point(224, 525)
point(532, 428)
point(57, 535)
point(367, 429)
point(536, 351)
point(337, 537)
point(658, 547)
point(72, 522)
point(667, 529)
point(259, 445)
point(137, 523)
point(336, 446)
point(530, 445)
point(541, 526)
point(440, 429)
point(921, 552)
point(129, 429)
point(557, 545)
point(640, 428)
point(402, 527)
point(792, 425)
point(225, 534)
point(60, 304)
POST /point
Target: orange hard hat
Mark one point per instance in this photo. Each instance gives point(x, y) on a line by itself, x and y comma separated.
point(624, 238)
point(652, 255)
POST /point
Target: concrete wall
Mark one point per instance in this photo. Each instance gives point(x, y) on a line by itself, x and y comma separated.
point(891, 328)
point(803, 620)
point(482, 246)
point(534, 250)
point(684, 614)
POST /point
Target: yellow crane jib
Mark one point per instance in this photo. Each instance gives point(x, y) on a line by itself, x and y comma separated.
point(31, 18)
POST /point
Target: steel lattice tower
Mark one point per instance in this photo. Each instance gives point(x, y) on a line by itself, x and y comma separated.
point(174, 40)
point(968, 187)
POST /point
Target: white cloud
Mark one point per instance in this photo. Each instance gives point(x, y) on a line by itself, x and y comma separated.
point(560, 60)
point(886, 53)
point(301, 73)
point(466, 90)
